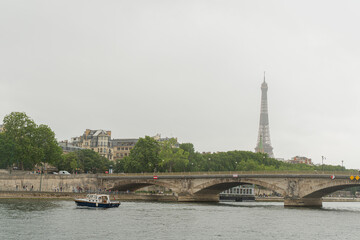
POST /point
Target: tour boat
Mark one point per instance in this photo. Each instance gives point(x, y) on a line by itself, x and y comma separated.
point(238, 194)
point(97, 200)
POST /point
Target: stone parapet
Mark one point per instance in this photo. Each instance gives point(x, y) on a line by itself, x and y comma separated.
point(48, 182)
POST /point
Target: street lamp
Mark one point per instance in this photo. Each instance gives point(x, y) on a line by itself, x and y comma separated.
point(322, 162)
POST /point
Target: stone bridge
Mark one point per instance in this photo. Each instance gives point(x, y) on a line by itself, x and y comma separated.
point(300, 190)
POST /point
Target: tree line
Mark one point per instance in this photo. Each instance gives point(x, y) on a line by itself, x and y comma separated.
point(149, 155)
point(26, 145)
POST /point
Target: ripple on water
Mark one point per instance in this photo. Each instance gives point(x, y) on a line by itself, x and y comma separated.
point(48, 219)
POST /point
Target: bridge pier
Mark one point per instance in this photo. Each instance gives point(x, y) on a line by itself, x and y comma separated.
point(303, 202)
point(198, 198)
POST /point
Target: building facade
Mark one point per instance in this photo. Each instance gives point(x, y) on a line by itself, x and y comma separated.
point(121, 147)
point(100, 141)
point(300, 160)
point(158, 138)
point(68, 147)
point(96, 140)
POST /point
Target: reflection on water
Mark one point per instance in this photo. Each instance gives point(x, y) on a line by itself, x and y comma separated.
point(327, 206)
point(252, 204)
point(48, 219)
point(28, 205)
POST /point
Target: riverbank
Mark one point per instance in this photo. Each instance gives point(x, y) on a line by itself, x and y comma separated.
point(72, 195)
point(132, 196)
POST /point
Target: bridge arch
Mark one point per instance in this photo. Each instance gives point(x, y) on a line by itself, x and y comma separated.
point(323, 191)
point(133, 185)
point(217, 186)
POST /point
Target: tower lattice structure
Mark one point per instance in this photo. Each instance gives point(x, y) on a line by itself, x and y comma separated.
point(263, 141)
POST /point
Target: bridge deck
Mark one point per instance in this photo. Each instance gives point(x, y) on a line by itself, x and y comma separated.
point(205, 175)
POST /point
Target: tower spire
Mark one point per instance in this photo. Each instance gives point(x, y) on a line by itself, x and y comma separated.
point(264, 76)
point(263, 141)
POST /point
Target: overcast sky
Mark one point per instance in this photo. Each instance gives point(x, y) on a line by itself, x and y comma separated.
point(188, 69)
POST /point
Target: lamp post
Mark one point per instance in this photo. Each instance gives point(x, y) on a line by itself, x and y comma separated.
point(40, 177)
point(322, 162)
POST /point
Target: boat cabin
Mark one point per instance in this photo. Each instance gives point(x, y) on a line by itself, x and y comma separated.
point(98, 198)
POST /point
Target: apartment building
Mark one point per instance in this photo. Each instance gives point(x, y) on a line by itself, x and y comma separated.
point(300, 160)
point(121, 147)
point(68, 147)
point(100, 141)
point(96, 140)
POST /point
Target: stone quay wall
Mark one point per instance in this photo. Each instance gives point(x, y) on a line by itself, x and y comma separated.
point(48, 182)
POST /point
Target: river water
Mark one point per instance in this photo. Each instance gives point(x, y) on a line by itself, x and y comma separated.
point(58, 219)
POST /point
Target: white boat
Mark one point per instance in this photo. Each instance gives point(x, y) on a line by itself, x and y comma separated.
point(97, 200)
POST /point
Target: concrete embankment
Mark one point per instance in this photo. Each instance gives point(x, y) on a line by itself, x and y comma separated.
point(71, 195)
point(48, 182)
point(325, 199)
point(42, 195)
point(328, 199)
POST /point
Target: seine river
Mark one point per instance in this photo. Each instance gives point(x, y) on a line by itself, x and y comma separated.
point(57, 219)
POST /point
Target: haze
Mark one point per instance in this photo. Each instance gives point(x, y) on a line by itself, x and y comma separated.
point(188, 69)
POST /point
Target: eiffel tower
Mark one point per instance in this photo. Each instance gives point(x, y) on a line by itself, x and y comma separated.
point(263, 141)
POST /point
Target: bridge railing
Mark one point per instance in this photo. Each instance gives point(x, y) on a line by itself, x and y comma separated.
point(347, 173)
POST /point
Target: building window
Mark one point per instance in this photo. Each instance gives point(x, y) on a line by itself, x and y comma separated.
point(126, 149)
point(118, 148)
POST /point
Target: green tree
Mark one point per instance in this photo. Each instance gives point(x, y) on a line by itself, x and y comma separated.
point(46, 147)
point(133, 165)
point(92, 162)
point(19, 129)
point(31, 144)
point(119, 166)
point(144, 157)
point(7, 148)
point(84, 160)
point(173, 159)
point(68, 162)
point(188, 147)
point(195, 158)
